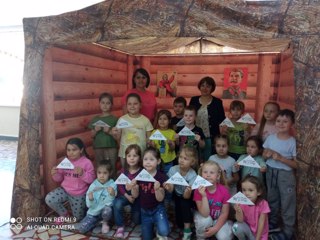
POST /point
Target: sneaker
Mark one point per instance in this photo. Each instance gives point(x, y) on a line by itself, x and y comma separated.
point(60, 220)
point(278, 236)
point(120, 232)
point(274, 228)
point(105, 228)
point(187, 236)
point(161, 237)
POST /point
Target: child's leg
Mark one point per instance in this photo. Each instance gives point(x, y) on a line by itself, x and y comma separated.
point(242, 231)
point(87, 223)
point(135, 212)
point(146, 224)
point(225, 232)
point(55, 200)
point(78, 206)
point(178, 210)
point(106, 216)
point(98, 155)
point(112, 155)
point(118, 205)
point(161, 221)
point(273, 195)
point(201, 223)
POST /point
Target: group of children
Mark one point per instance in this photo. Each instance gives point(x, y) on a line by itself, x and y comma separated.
point(205, 208)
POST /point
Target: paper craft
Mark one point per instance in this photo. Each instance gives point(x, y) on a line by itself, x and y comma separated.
point(200, 181)
point(122, 179)
point(177, 179)
point(65, 164)
point(186, 132)
point(246, 119)
point(123, 124)
point(227, 122)
point(249, 162)
point(240, 198)
point(181, 123)
point(101, 124)
point(144, 176)
point(157, 135)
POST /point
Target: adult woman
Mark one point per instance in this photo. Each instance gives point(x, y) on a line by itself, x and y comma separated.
point(141, 81)
point(210, 113)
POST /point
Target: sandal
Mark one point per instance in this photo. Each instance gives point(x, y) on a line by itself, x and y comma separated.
point(120, 232)
point(105, 228)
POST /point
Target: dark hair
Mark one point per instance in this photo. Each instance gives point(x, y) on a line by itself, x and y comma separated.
point(237, 104)
point(209, 81)
point(137, 149)
point(221, 136)
point(135, 95)
point(79, 143)
point(191, 108)
point(106, 164)
point(144, 73)
point(180, 100)
point(106, 95)
point(287, 113)
point(236, 70)
point(155, 152)
point(258, 142)
point(263, 119)
point(164, 112)
point(258, 183)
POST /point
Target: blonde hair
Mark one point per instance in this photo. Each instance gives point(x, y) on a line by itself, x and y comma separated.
point(222, 178)
point(192, 153)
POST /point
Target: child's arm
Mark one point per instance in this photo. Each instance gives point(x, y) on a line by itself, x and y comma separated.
point(169, 187)
point(134, 189)
point(187, 193)
point(291, 163)
point(148, 134)
point(159, 191)
point(220, 221)
point(203, 205)
point(239, 213)
point(235, 178)
point(262, 220)
point(56, 175)
point(200, 141)
point(87, 174)
point(172, 145)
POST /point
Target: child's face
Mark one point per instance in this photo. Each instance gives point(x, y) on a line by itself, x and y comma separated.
point(252, 148)
point(236, 113)
point(102, 174)
point(283, 124)
point(235, 78)
point(250, 191)
point(221, 147)
point(270, 112)
point(133, 105)
point(73, 152)
point(189, 117)
point(210, 173)
point(163, 121)
point(150, 162)
point(178, 108)
point(132, 158)
point(185, 161)
point(105, 105)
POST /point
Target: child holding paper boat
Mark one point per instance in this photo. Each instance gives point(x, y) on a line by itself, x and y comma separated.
point(131, 169)
point(181, 178)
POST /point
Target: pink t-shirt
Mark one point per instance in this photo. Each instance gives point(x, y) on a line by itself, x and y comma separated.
point(251, 217)
point(216, 199)
point(149, 103)
point(74, 184)
point(267, 130)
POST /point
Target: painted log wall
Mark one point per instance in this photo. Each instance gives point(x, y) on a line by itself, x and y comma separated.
point(73, 81)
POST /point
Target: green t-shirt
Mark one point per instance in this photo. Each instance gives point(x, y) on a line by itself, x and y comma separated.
point(167, 155)
point(102, 139)
point(237, 138)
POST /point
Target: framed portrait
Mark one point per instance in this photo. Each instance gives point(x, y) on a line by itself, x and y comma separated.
point(166, 84)
point(235, 83)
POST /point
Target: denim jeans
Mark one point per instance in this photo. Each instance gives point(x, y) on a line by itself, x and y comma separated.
point(157, 216)
point(118, 205)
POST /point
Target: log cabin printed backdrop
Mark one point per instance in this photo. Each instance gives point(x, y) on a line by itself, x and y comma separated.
point(135, 28)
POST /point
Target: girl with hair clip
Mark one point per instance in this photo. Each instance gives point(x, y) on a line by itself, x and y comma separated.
point(213, 208)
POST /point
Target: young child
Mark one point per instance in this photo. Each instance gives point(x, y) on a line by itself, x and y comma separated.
point(238, 134)
point(212, 205)
point(179, 105)
point(139, 132)
point(105, 146)
point(267, 125)
point(252, 221)
point(196, 141)
point(131, 169)
point(188, 159)
point(100, 196)
point(151, 196)
point(280, 152)
point(74, 182)
point(254, 149)
point(225, 162)
point(166, 147)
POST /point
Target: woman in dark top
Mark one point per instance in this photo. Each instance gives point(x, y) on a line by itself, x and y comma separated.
point(210, 113)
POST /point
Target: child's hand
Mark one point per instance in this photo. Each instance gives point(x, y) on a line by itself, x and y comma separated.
point(111, 191)
point(223, 129)
point(129, 198)
point(263, 169)
point(171, 144)
point(276, 156)
point(151, 143)
point(176, 136)
point(267, 153)
point(54, 170)
point(106, 129)
point(202, 191)
point(157, 186)
point(90, 196)
point(78, 170)
point(197, 137)
point(187, 192)
point(97, 128)
point(168, 186)
point(116, 132)
point(237, 166)
point(237, 208)
point(210, 231)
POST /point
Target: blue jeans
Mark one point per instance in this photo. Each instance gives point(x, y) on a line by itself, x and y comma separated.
point(119, 203)
point(157, 216)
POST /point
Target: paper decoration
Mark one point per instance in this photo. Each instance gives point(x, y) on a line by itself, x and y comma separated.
point(200, 181)
point(65, 164)
point(144, 176)
point(186, 132)
point(157, 135)
point(246, 119)
point(227, 122)
point(123, 124)
point(177, 179)
point(249, 162)
point(240, 198)
point(122, 179)
point(181, 123)
point(101, 124)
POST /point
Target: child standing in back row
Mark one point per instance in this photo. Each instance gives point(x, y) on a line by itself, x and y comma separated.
point(179, 105)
